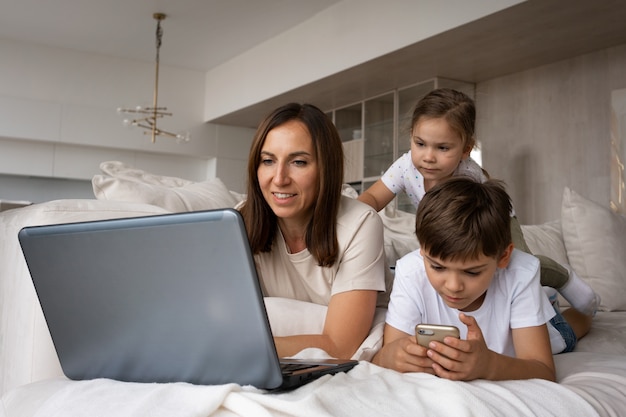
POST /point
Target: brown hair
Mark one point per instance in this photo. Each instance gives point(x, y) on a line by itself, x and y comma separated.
point(455, 107)
point(261, 222)
point(461, 219)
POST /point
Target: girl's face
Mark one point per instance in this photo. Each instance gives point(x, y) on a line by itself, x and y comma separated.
point(436, 150)
point(288, 172)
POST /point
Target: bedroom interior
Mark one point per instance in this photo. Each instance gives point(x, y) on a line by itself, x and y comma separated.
point(518, 54)
point(591, 380)
point(550, 90)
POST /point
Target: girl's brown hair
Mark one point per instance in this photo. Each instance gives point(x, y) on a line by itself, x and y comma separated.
point(455, 107)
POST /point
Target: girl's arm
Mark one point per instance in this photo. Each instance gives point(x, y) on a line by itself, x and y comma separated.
point(377, 195)
point(471, 359)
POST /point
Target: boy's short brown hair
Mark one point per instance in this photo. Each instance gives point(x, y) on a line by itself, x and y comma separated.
point(462, 219)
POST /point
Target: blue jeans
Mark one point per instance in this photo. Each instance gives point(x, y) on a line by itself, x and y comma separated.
point(565, 329)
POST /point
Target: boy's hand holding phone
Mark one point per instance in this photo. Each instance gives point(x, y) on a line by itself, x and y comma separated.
point(425, 333)
point(463, 359)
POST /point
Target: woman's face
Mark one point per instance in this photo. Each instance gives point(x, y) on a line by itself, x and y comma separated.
point(288, 172)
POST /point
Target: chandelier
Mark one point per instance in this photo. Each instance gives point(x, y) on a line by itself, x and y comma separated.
point(146, 117)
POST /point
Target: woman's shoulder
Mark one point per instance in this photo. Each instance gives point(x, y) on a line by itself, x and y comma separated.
point(353, 213)
point(349, 206)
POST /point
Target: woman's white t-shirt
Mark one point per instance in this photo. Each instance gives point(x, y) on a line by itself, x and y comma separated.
point(360, 265)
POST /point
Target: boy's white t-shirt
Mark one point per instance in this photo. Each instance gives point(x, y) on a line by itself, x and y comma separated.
point(514, 299)
point(403, 176)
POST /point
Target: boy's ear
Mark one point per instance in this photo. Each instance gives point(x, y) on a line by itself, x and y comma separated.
point(505, 258)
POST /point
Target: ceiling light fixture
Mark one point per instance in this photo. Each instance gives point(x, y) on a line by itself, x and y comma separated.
point(152, 114)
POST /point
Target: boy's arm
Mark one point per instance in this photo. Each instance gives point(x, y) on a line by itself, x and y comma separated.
point(377, 195)
point(533, 353)
point(471, 359)
point(401, 352)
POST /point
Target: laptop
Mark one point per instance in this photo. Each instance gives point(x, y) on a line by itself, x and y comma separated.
point(165, 298)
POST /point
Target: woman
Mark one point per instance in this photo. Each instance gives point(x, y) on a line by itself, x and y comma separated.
point(310, 242)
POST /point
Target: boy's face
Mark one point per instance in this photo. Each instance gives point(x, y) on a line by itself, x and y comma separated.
point(462, 284)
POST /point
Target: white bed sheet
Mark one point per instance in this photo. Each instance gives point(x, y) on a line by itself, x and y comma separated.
point(599, 378)
point(367, 390)
point(591, 383)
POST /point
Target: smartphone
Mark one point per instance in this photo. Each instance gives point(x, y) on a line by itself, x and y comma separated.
point(424, 333)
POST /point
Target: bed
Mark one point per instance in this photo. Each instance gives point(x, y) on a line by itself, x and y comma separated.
point(591, 380)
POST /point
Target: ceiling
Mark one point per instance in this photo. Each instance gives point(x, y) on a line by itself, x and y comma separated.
point(201, 34)
point(528, 35)
point(197, 34)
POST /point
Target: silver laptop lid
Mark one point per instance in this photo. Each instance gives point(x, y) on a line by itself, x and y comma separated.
point(154, 299)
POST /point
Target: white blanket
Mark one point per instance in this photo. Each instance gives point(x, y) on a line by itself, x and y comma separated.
point(367, 390)
point(591, 383)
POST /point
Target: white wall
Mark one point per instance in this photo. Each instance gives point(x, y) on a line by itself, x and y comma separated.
point(618, 150)
point(58, 117)
point(550, 127)
point(40, 189)
point(340, 37)
point(57, 106)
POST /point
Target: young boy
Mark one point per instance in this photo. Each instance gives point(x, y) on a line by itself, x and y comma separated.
point(468, 274)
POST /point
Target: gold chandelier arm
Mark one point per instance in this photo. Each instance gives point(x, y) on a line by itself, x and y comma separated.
point(159, 37)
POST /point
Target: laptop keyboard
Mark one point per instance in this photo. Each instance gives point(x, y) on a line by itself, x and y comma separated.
point(289, 368)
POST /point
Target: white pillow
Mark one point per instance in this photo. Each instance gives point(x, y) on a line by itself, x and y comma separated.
point(291, 317)
point(546, 239)
point(193, 196)
point(399, 233)
point(118, 169)
point(595, 240)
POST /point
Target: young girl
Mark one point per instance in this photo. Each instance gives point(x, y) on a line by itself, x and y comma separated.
point(442, 137)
